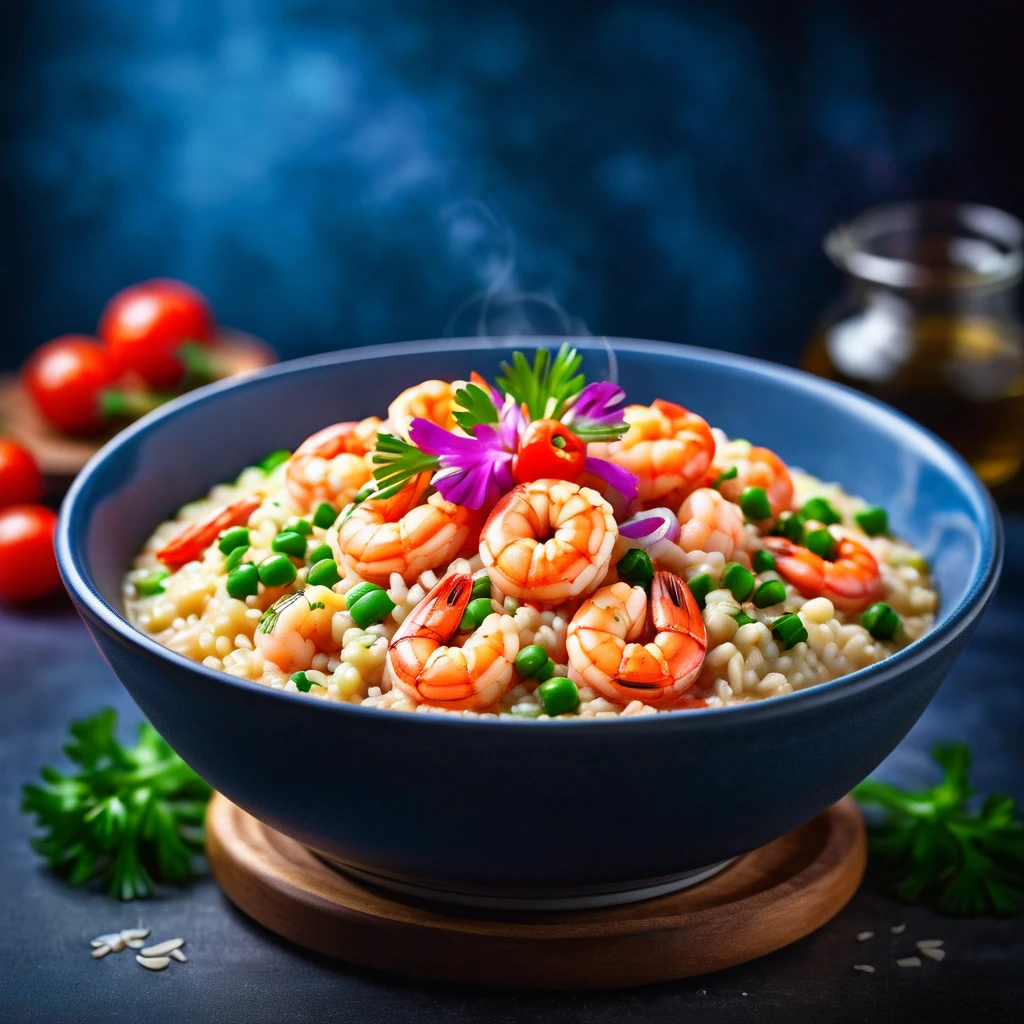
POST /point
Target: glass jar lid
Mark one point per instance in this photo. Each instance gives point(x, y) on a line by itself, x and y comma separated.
point(931, 245)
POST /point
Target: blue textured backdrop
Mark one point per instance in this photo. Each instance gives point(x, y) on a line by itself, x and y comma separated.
point(341, 173)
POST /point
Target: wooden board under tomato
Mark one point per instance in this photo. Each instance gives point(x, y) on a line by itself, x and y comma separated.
point(61, 456)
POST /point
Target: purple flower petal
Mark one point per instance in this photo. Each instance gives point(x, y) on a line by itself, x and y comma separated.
point(621, 479)
point(513, 423)
point(598, 403)
point(475, 471)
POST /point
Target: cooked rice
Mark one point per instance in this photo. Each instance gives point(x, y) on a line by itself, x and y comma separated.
point(197, 618)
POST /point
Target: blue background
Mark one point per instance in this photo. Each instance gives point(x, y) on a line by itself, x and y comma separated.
point(345, 172)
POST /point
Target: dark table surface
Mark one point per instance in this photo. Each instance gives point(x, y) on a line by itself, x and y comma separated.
point(52, 673)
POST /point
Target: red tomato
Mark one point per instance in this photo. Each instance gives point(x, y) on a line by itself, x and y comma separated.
point(20, 480)
point(145, 325)
point(65, 378)
point(28, 568)
point(549, 450)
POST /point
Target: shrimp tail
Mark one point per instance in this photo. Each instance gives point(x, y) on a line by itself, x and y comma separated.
point(673, 607)
point(197, 537)
point(439, 616)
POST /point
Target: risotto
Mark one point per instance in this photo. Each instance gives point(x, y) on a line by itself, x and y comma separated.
point(535, 548)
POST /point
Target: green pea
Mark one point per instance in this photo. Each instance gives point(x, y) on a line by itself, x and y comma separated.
point(880, 621)
point(789, 630)
point(821, 542)
point(371, 608)
point(319, 553)
point(873, 520)
point(236, 537)
point(274, 459)
point(558, 696)
point(743, 619)
point(482, 585)
point(754, 503)
point(276, 571)
point(358, 591)
point(303, 682)
point(153, 584)
point(302, 526)
point(770, 592)
point(764, 561)
point(739, 580)
point(235, 558)
point(636, 568)
point(244, 582)
point(545, 672)
point(820, 510)
point(792, 527)
point(700, 586)
point(325, 515)
point(323, 573)
point(530, 659)
point(289, 543)
point(475, 613)
point(727, 474)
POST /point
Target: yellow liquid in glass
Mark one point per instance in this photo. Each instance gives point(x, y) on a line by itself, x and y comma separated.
point(962, 377)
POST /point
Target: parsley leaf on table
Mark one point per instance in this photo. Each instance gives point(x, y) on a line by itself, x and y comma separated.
point(932, 848)
point(129, 815)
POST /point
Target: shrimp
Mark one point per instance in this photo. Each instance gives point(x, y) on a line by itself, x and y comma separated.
point(710, 522)
point(331, 465)
point(298, 626)
point(399, 534)
point(667, 447)
point(424, 667)
point(605, 652)
point(197, 537)
point(759, 467)
point(548, 541)
point(432, 400)
point(851, 582)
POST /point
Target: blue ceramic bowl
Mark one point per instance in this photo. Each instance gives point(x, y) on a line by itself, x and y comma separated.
point(505, 808)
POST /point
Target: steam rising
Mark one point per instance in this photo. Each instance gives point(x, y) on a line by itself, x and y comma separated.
point(665, 170)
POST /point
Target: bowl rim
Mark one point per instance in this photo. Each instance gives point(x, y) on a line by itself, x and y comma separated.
point(71, 559)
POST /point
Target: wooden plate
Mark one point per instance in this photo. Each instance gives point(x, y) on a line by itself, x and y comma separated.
point(761, 902)
point(61, 456)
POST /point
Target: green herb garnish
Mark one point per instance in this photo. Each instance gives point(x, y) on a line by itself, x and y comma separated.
point(268, 620)
point(472, 406)
point(546, 387)
point(931, 848)
point(397, 463)
point(127, 817)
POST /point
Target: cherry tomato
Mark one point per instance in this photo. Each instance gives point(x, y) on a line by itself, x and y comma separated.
point(144, 327)
point(548, 449)
point(28, 568)
point(21, 483)
point(65, 378)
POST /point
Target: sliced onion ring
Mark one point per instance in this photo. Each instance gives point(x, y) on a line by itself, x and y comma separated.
point(650, 527)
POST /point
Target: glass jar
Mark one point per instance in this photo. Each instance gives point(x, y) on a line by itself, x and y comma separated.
point(927, 324)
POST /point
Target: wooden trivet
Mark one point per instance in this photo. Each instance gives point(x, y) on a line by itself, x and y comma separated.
point(761, 902)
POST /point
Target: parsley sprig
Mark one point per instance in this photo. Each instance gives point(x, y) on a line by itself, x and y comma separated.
point(472, 406)
point(397, 462)
point(129, 815)
point(931, 847)
point(546, 387)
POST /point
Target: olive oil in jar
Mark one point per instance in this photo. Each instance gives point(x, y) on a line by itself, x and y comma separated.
point(927, 325)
